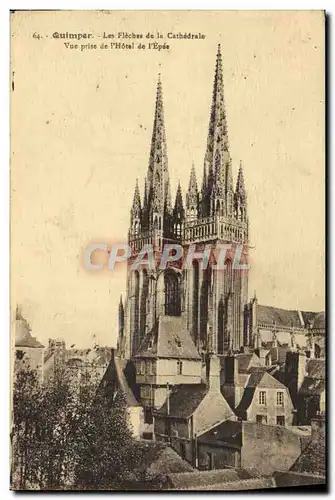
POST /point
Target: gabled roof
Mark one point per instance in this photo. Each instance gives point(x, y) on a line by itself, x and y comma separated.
point(263, 380)
point(114, 379)
point(184, 400)
point(169, 338)
point(257, 379)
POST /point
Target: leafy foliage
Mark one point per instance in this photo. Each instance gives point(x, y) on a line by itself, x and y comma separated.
point(68, 435)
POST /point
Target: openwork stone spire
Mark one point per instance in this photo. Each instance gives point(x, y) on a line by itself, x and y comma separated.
point(178, 206)
point(240, 187)
point(217, 152)
point(192, 196)
point(158, 178)
point(136, 208)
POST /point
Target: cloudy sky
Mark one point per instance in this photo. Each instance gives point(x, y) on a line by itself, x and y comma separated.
point(81, 128)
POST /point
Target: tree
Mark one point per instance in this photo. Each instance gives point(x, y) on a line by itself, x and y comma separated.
point(68, 435)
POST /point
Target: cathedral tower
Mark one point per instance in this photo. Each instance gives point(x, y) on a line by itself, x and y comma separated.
point(151, 293)
point(221, 219)
point(211, 301)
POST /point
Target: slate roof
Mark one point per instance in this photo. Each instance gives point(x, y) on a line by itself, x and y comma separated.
point(158, 458)
point(228, 432)
point(115, 379)
point(312, 460)
point(23, 337)
point(315, 368)
point(283, 317)
point(290, 478)
point(246, 361)
point(168, 339)
point(243, 485)
point(184, 400)
point(319, 321)
point(28, 341)
point(207, 479)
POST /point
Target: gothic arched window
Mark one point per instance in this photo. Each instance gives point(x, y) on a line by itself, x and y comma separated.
point(134, 308)
point(221, 327)
point(195, 305)
point(172, 294)
point(143, 304)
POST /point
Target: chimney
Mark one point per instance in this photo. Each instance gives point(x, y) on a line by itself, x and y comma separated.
point(230, 370)
point(213, 369)
point(295, 372)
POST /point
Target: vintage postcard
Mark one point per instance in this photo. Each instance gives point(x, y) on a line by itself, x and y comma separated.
point(168, 250)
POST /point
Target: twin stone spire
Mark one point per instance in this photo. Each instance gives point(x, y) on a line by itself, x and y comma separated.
point(216, 196)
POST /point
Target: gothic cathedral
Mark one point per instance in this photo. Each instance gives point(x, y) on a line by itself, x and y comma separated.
point(211, 302)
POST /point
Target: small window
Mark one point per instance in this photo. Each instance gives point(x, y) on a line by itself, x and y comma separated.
point(179, 367)
point(148, 416)
point(280, 399)
point(261, 419)
point(142, 367)
point(262, 398)
point(280, 420)
point(150, 368)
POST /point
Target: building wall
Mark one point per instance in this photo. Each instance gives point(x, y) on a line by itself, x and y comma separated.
point(269, 448)
point(136, 420)
point(218, 457)
point(29, 358)
point(271, 410)
point(163, 371)
point(172, 427)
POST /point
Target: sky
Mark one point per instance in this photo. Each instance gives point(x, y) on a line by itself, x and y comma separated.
point(81, 124)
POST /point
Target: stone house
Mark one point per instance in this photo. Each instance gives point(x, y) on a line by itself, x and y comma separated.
point(237, 444)
point(190, 410)
point(166, 357)
point(265, 400)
